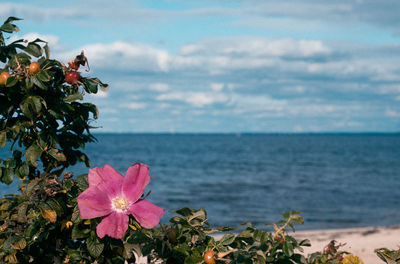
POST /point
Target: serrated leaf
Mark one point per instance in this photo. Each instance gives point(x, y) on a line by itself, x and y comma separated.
point(76, 218)
point(94, 247)
point(82, 181)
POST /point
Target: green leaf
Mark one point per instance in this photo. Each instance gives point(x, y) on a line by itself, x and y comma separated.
point(90, 85)
point(73, 97)
point(82, 181)
point(227, 239)
point(32, 153)
point(8, 27)
point(288, 248)
point(78, 233)
point(33, 49)
point(76, 218)
point(305, 243)
point(11, 19)
point(11, 81)
point(47, 51)
point(298, 219)
point(55, 153)
point(7, 175)
point(39, 83)
point(3, 139)
point(94, 246)
point(23, 170)
point(43, 76)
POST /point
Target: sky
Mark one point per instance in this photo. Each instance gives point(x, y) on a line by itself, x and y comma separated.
point(230, 66)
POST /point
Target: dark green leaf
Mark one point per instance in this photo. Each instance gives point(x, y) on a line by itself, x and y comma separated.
point(75, 218)
point(7, 175)
point(11, 19)
point(73, 97)
point(227, 239)
point(288, 248)
point(94, 246)
point(33, 49)
point(39, 83)
point(82, 181)
point(43, 76)
point(11, 81)
point(47, 51)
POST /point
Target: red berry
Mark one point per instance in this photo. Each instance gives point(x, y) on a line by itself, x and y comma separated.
point(72, 77)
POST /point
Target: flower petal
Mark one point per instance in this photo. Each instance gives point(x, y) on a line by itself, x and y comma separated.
point(113, 225)
point(136, 179)
point(93, 203)
point(111, 188)
point(146, 213)
point(99, 175)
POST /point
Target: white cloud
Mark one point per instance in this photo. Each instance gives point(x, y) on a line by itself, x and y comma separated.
point(124, 57)
point(52, 40)
point(197, 99)
point(134, 105)
point(217, 87)
point(392, 113)
point(100, 94)
point(159, 87)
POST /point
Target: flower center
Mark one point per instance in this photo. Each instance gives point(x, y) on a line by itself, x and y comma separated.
point(120, 203)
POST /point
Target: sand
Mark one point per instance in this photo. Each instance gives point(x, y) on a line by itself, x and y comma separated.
point(359, 241)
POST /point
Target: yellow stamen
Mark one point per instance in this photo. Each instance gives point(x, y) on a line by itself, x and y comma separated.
point(120, 203)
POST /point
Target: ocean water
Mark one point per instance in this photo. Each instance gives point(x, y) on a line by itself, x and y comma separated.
point(336, 180)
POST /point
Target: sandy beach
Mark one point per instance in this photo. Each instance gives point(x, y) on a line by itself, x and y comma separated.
point(359, 241)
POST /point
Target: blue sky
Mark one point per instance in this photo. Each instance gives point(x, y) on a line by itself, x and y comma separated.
point(230, 66)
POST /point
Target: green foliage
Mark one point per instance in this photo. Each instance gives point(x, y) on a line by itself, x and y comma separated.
point(39, 112)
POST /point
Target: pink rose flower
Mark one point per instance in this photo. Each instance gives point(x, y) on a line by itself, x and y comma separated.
point(114, 197)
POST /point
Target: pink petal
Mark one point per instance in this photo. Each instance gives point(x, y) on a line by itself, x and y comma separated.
point(93, 203)
point(99, 175)
point(113, 225)
point(111, 188)
point(136, 179)
point(146, 213)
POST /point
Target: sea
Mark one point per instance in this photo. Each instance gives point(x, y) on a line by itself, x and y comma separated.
point(335, 180)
